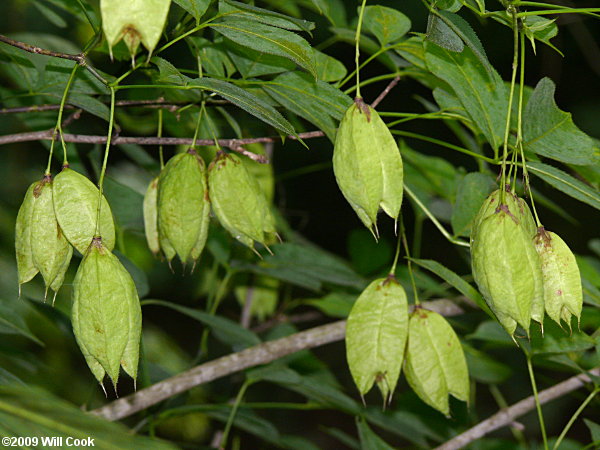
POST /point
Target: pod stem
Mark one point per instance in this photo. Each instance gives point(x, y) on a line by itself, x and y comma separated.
point(160, 133)
point(58, 126)
point(111, 121)
point(408, 262)
point(357, 42)
point(538, 405)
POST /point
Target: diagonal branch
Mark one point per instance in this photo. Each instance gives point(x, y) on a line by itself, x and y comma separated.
point(506, 416)
point(79, 59)
point(259, 354)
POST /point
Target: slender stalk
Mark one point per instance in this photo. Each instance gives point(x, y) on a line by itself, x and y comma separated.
point(396, 256)
point(512, 10)
point(234, 409)
point(58, 128)
point(591, 11)
point(501, 401)
point(409, 263)
point(159, 134)
point(538, 405)
point(437, 224)
point(105, 160)
point(357, 42)
point(574, 417)
point(197, 130)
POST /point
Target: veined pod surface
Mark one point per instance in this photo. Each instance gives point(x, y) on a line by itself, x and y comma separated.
point(25, 266)
point(238, 201)
point(504, 266)
point(51, 250)
point(106, 314)
point(150, 210)
point(376, 336)
point(435, 361)
point(367, 165)
point(183, 206)
point(75, 201)
point(563, 296)
point(134, 21)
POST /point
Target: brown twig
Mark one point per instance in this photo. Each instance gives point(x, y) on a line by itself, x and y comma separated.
point(79, 59)
point(158, 103)
point(233, 144)
point(506, 416)
point(385, 92)
point(259, 354)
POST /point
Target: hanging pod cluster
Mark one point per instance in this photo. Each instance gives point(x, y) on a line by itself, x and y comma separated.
point(367, 165)
point(515, 266)
point(178, 202)
point(57, 215)
point(40, 243)
point(380, 337)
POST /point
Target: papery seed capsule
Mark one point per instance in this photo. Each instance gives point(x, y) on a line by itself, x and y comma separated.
point(435, 362)
point(563, 295)
point(25, 265)
point(376, 336)
point(76, 207)
point(367, 165)
point(51, 250)
point(183, 206)
point(106, 314)
point(238, 201)
point(151, 216)
point(503, 266)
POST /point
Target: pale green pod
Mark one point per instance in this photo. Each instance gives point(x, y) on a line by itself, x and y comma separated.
point(238, 201)
point(106, 314)
point(367, 165)
point(134, 21)
point(51, 250)
point(76, 207)
point(563, 295)
point(435, 362)
point(25, 265)
point(150, 209)
point(501, 256)
point(182, 206)
point(376, 336)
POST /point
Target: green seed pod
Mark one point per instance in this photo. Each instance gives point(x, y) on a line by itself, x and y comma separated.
point(151, 216)
point(183, 207)
point(367, 165)
point(51, 250)
point(106, 314)
point(135, 21)
point(506, 268)
point(563, 295)
point(376, 336)
point(25, 265)
point(435, 362)
point(238, 201)
point(76, 208)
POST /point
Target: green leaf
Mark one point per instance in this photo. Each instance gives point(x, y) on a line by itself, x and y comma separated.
point(168, 73)
point(557, 340)
point(11, 322)
point(455, 281)
point(214, 57)
point(491, 331)
point(316, 101)
point(484, 368)
point(550, 132)
point(449, 5)
point(441, 34)
point(594, 430)
point(50, 14)
point(126, 204)
point(565, 183)
point(31, 411)
point(265, 16)
point(368, 46)
point(541, 29)
point(375, 336)
point(481, 92)
point(90, 104)
point(267, 39)
point(252, 63)
point(230, 332)
point(335, 304)
point(387, 24)
point(368, 439)
point(472, 191)
point(328, 68)
point(305, 266)
point(246, 101)
point(196, 8)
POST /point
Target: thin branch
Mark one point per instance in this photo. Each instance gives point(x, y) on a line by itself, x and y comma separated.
point(259, 354)
point(157, 103)
point(385, 92)
point(506, 416)
point(233, 144)
point(79, 59)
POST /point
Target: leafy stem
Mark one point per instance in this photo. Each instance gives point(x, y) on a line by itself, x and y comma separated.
point(574, 417)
